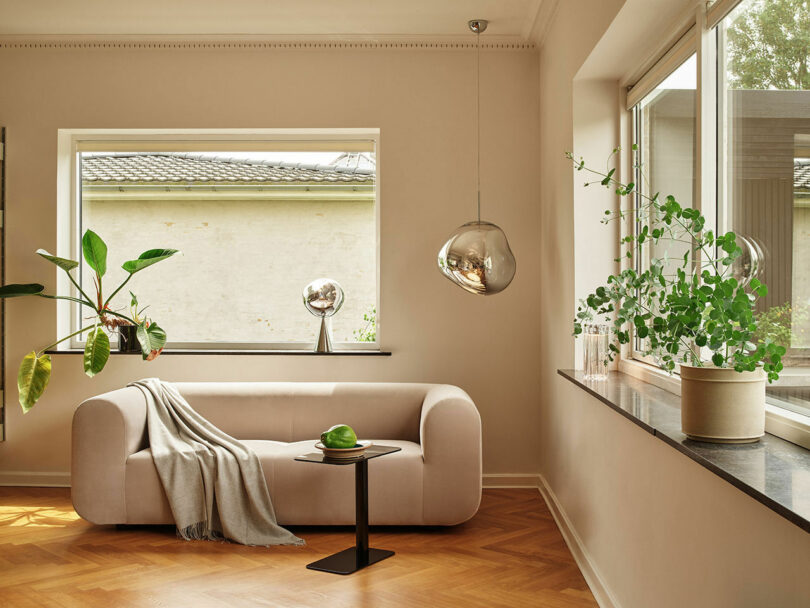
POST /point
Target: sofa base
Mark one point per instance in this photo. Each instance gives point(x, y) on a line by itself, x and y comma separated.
point(302, 494)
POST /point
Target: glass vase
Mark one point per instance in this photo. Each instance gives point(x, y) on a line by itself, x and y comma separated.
point(595, 351)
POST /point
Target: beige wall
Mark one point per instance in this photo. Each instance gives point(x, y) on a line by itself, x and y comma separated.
point(244, 264)
point(423, 101)
point(658, 529)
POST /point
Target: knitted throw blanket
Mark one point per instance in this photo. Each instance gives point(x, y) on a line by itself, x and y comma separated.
point(214, 483)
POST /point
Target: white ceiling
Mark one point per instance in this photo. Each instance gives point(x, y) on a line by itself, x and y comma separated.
point(329, 18)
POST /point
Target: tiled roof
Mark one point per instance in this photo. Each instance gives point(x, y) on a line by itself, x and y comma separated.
point(195, 168)
point(801, 175)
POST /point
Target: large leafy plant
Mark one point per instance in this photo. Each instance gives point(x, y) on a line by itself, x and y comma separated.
point(690, 310)
point(35, 369)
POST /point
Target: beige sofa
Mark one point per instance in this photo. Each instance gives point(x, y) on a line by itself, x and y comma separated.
point(434, 480)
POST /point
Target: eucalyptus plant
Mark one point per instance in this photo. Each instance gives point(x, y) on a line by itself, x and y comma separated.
point(35, 369)
point(697, 315)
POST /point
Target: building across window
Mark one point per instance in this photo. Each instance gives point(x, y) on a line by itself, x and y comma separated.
point(764, 169)
point(254, 228)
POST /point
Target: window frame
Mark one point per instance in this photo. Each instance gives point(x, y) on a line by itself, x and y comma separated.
point(702, 38)
point(72, 141)
point(677, 56)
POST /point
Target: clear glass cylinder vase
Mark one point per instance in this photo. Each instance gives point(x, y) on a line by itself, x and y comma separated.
point(595, 337)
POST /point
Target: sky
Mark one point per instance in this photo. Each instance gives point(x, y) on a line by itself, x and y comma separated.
point(685, 77)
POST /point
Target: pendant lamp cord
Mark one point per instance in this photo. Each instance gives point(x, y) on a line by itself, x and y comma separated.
point(478, 114)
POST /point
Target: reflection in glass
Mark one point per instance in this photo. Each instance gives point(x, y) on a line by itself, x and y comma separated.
point(763, 170)
point(478, 259)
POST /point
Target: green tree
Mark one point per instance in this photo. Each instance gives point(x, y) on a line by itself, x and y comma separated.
point(769, 44)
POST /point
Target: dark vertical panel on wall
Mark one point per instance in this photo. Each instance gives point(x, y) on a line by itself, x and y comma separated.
point(2, 282)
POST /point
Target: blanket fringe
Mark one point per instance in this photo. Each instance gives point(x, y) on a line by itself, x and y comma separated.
point(200, 531)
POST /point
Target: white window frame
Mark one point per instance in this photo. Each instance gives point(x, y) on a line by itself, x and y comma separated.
point(72, 141)
point(699, 39)
point(679, 54)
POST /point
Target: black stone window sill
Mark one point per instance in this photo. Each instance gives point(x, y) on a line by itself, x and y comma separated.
point(180, 351)
point(773, 471)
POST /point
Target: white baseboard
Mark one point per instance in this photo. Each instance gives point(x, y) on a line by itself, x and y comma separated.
point(600, 591)
point(510, 480)
point(62, 480)
point(35, 479)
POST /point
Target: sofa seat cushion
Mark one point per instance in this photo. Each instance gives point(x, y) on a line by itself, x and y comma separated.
point(303, 493)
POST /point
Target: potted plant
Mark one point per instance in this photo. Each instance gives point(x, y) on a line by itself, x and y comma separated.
point(690, 312)
point(128, 332)
point(35, 369)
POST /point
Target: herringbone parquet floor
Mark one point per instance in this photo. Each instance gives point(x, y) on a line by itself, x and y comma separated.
point(510, 554)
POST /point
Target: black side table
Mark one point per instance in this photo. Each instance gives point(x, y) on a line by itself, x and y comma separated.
point(357, 557)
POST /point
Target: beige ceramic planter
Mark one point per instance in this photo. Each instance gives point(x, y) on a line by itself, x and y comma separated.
point(722, 405)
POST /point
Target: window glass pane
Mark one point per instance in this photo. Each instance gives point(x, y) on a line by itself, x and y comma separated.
point(254, 229)
point(764, 169)
point(665, 159)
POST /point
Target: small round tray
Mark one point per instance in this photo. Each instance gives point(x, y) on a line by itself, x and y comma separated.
point(354, 452)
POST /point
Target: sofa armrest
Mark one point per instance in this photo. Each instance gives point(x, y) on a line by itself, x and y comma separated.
point(106, 430)
point(450, 434)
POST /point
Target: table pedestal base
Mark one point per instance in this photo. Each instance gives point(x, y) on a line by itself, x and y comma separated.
point(349, 560)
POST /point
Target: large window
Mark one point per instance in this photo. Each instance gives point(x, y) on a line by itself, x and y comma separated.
point(256, 219)
point(722, 121)
point(763, 98)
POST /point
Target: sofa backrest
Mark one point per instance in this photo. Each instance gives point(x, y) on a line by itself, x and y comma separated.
point(297, 411)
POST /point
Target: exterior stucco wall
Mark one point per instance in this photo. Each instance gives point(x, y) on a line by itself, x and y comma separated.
point(244, 264)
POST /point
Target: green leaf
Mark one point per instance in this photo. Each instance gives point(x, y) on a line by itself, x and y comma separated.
point(151, 338)
point(96, 352)
point(63, 263)
point(95, 252)
point(718, 359)
point(33, 377)
point(147, 258)
point(16, 290)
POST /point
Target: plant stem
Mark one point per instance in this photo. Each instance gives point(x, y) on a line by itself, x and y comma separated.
point(676, 218)
point(81, 291)
point(117, 290)
point(78, 331)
